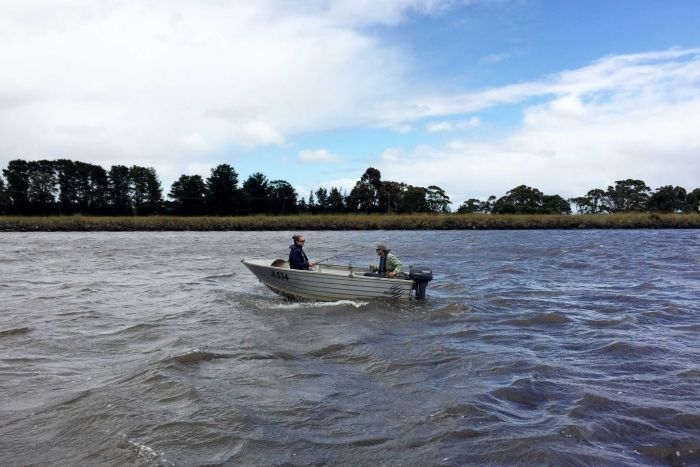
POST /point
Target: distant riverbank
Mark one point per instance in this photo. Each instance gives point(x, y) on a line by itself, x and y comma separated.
point(351, 222)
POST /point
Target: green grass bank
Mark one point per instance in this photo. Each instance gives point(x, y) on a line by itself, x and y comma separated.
point(350, 222)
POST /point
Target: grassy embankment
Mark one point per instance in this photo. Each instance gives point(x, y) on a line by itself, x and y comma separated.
point(351, 222)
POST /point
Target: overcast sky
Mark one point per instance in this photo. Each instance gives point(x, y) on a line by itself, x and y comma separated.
point(474, 96)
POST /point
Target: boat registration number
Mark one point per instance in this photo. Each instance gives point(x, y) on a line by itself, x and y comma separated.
point(280, 275)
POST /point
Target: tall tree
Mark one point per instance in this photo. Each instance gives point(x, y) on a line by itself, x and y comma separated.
point(336, 201)
point(283, 197)
point(146, 192)
point(487, 206)
point(321, 200)
point(391, 197)
point(365, 196)
point(257, 191)
point(43, 186)
point(189, 195)
point(223, 193)
point(595, 202)
point(17, 176)
point(373, 177)
point(693, 200)
point(437, 200)
point(362, 198)
point(669, 199)
point(120, 190)
point(93, 188)
point(4, 198)
point(628, 195)
point(311, 204)
point(472, 205)
point(67, 174)
point(555, 204)
point(414, 199)
point(520, 200)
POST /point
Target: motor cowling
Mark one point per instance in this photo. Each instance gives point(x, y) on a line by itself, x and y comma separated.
point(420, 275)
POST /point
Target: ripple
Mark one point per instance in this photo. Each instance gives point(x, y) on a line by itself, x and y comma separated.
point(15, 331)
point(541, 319)
point(589, 404)
point(329, 350)
point(680, 452)
point(194, 357)
point(603, 323)
point(625, 349)
point(451, 310)
point(525, 393)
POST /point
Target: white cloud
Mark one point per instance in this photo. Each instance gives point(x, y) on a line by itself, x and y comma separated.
point(166, 82)
point(670, 72)
point(495, 58)
point(563, 155)
point(318, 155)
point(622, 117)
point(444, 126)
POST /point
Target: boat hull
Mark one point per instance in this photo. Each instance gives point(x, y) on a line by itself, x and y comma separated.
point(327, 282)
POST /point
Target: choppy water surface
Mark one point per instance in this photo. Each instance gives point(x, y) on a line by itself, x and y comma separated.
point(534, 347)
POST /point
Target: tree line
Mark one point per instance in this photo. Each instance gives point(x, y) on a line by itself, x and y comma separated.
point(64, 187)
point(628, 195)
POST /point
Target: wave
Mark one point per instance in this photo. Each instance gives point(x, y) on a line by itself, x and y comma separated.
point(215, 277)
point(690, 328)
point(625, 349)
point(197, 356)
point(647, 285)
point(144, 453)
point(541, 319)
point(329, 350)
point(458, 435)
point(680, 452)
point(15, 331)
point(193, 357)
point(137, 328)
point(591, 403)
point(465, 410)
point(366, 442)
point(304, 376)
point(451, 310)
point(603, 323)
point(579, 433)
point(575, 265)
point(524, 392)
point(304, 305)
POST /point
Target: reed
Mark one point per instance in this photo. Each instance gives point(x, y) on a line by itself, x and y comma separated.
point(307, 222)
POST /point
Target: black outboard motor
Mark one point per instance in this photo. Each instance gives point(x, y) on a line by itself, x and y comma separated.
point(420, 275)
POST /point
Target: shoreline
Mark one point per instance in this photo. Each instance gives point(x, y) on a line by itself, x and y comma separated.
point(309, 222)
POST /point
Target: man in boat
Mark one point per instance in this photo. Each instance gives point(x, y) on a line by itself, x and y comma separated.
point(389, 264)
point(297, 257)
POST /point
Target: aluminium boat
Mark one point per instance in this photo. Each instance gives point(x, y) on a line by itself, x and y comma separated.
point(331, 282)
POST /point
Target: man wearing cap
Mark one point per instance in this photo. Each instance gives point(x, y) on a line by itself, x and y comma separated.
point(389, 264)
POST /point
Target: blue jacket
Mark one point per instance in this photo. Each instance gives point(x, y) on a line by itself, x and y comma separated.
point(297, 258)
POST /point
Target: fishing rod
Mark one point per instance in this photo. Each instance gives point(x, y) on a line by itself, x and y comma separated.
point(334, 256)
point(330, 257)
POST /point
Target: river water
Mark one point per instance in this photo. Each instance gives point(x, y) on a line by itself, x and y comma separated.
point(532, 348)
